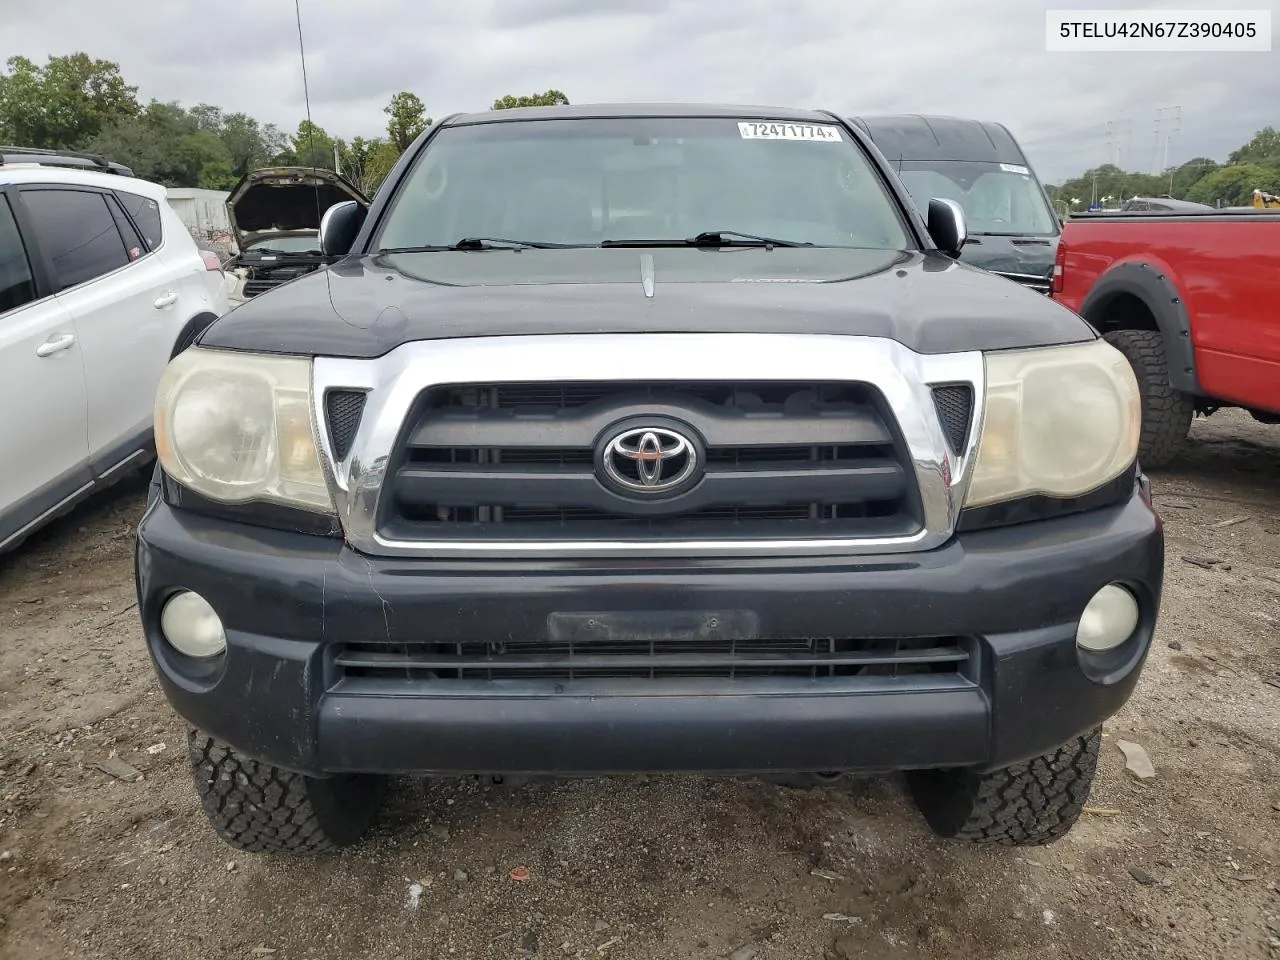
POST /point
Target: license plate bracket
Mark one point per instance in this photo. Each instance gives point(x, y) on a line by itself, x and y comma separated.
point(644, 626)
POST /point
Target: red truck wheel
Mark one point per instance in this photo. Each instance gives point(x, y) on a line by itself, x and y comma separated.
point(1166, 412)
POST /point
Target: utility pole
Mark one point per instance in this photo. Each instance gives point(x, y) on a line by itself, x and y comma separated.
point(1168, 122)
point(1168, 139)
point(1108, 140)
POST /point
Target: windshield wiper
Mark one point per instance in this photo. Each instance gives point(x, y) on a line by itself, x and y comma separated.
point(712, 238)
point(479, 243)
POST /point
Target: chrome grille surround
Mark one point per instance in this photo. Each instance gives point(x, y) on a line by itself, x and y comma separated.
point(394, 381)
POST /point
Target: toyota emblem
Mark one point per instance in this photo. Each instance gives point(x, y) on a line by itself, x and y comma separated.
point(649, 460)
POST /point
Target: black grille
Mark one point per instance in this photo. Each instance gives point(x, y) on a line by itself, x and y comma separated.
point(254, 287)
point(520, 460)
point(954, 404)
point(811, 658)
point(343, 409)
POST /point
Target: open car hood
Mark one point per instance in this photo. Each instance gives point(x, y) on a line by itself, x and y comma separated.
point(276, 201)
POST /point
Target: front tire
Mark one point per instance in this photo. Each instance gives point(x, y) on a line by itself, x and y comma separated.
point(260, 808)
point(1166, 412)
point(1027, 804)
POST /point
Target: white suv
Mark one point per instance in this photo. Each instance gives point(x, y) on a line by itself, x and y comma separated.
point(100, 286)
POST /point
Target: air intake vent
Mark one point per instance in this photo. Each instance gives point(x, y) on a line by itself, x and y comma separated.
point(343, 409)
point(954, 404)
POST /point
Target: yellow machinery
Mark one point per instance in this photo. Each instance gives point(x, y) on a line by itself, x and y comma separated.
point(1265, 201)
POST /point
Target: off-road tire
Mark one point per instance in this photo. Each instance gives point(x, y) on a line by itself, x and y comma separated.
point(1027, 804)
point(262, 809)
point(1166, 412)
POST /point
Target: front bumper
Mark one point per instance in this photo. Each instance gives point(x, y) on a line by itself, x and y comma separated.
point(289, 601)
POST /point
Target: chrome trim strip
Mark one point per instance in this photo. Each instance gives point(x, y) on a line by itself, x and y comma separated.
point(30, 527)
point(1035, 281)
point(123, 465)
point(395, 380)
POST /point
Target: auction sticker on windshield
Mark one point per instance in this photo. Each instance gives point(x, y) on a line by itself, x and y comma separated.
point(820, 132)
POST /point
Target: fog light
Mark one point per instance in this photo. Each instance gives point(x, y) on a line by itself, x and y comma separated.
point(1108, 620)
point(191, 626)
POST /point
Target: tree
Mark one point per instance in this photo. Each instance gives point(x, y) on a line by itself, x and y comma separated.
point(552, 98)
point(1234, 184)
point(63, 104)
point(1186, 176)
point(1109, 180)
point(249, 144)
point(1264, 148)
point(366, 163)
point(407, 118)
point(312, 147)
point(167, 144)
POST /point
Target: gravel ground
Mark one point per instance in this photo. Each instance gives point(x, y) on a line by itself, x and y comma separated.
point(1184, 865)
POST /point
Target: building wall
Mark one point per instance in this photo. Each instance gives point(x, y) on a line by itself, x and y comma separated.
point(203, 211)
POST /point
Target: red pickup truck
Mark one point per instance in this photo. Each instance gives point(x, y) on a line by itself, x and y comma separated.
point(1192, 299)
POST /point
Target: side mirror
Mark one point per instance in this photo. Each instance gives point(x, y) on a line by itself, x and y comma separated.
point(947, 226)
point(339, 226)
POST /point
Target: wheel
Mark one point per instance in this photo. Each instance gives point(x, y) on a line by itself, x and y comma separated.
point(262, 809)
point(1027, 804)
point(1166, 412)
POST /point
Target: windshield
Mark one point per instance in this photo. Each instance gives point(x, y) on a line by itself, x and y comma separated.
point(584, 182)
point(308, 244)
point(998, 198)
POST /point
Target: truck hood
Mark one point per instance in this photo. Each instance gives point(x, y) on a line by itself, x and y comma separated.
point(284, 201)
point(365, 306)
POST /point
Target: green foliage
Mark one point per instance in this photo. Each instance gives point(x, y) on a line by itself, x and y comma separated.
point(407, 118)
point(64, 103)
point(1264, 148)
point(1254, 166)
point(1234, 184)
point(312, 147)
point(164, 143)
point(1189, 174)
point(366, 163)
point(217, 175)
point(75, 102)
point(1112, 182)
point(552, 98)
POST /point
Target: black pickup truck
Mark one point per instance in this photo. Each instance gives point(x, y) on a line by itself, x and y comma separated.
point(646, 438)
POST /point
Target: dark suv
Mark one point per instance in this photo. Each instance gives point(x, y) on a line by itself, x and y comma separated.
point(646, 438)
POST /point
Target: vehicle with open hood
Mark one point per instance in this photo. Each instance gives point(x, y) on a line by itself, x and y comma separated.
point(275, 218)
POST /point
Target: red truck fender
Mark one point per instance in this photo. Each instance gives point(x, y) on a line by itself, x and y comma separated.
point(1154, 290)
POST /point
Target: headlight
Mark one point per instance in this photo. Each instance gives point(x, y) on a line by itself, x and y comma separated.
point(1058, 421)
point(236, 427)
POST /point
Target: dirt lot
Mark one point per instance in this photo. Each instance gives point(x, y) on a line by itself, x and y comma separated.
point(93, 866)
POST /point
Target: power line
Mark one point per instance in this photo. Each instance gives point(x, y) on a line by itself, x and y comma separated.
point(306, 96)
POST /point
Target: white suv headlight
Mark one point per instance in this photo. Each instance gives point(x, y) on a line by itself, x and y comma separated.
point(1059, 421)
point(236, 427)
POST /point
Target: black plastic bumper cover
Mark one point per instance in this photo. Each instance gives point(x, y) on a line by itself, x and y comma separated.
point(288, 600)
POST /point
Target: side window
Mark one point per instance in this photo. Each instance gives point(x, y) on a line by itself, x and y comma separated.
point(17, 286)
point(146, 214)
point(76, 231)
point(133, 243)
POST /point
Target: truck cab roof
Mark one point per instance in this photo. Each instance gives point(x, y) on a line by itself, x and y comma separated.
point(921, 137)
point(605, 111)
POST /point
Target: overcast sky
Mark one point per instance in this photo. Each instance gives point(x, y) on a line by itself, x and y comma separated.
point(976, 58)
